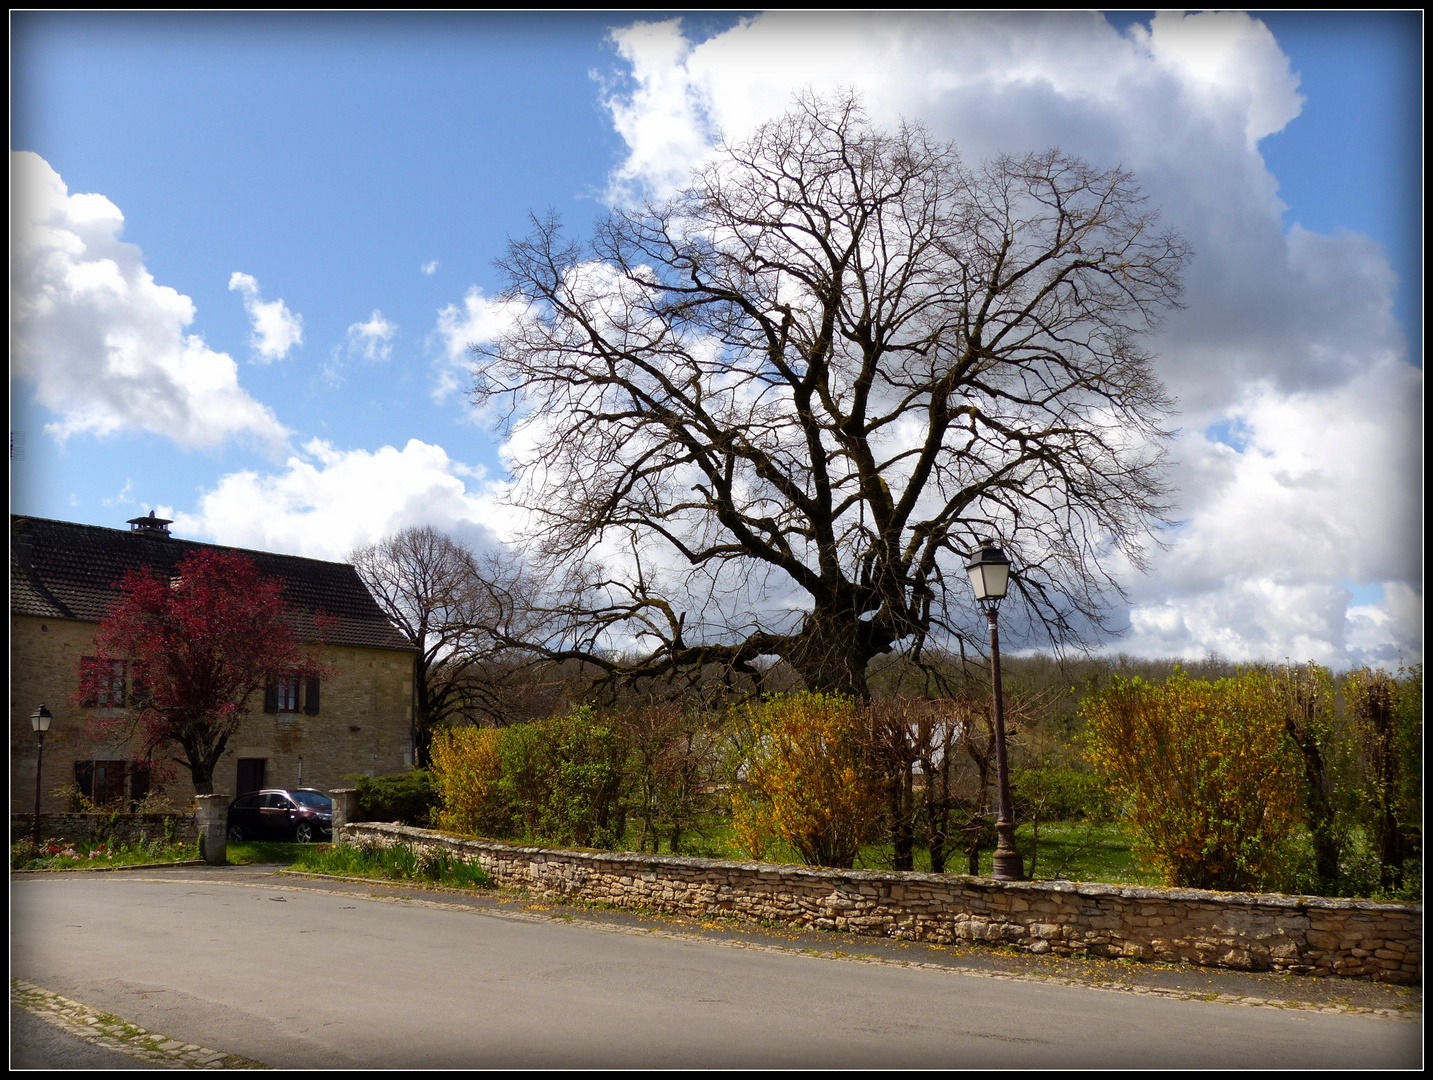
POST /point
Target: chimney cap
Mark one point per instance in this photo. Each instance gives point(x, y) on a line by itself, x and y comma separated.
point(151, 525)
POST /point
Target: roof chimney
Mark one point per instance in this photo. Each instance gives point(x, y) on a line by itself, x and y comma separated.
point(151, 525)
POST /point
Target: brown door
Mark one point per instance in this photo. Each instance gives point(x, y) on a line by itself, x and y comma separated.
point(251, 775)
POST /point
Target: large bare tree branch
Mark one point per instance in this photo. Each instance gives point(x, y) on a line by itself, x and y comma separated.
point(805, 387)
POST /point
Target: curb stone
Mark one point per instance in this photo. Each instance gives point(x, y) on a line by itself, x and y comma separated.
point(107, 1030)
point(113, 869)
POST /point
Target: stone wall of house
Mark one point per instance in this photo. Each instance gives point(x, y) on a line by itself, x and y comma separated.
point(44, 670)
point(1246, 931)
point(363, 726)
point(115, 828)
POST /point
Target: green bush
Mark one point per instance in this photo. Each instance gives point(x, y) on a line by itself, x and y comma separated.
point(23, 853)
point(563, 777)
point(1062, 795)
point(408, 798)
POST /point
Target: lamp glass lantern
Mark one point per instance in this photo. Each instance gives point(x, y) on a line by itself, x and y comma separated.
point(989, 573)
point(40, 720)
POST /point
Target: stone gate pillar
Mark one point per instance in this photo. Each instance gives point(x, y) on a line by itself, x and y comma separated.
point(345, 810)
point(211, 816)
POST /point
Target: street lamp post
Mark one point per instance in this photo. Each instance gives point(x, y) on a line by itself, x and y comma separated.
point(990, 575)
point(40, 722)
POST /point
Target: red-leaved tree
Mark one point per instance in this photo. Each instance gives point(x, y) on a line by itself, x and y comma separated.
point(199, 645)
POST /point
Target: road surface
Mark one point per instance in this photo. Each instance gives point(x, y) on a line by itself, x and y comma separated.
point(295, 974)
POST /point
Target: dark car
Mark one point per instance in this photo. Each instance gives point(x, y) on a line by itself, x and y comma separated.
point(299, 814)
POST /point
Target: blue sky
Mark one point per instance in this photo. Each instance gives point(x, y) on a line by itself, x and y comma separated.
point(366, 170)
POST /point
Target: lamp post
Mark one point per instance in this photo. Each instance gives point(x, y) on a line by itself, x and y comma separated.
point(990, 575)
point(40, 722)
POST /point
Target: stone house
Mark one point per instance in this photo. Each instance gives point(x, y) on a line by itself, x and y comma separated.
point(64, 579)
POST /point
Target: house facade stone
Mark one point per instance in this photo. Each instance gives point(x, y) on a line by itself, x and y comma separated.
point(64, 578)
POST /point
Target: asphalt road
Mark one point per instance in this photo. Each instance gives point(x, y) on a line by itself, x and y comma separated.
point(304, 976)
point(34, 1044)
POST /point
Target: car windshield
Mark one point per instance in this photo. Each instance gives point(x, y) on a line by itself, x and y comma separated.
point(316, 799)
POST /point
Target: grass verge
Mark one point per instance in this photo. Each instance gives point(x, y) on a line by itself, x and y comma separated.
point(396, 863)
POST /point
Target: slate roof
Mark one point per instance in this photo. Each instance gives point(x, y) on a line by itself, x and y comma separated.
point(74, 573)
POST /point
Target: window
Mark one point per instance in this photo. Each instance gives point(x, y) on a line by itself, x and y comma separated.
point(283, 695)
point(104, 681)
point(287, 693)
point(103, 783)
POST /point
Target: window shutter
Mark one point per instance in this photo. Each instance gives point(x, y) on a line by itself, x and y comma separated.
point(85, 778)
point(311, 698)
point(138, 782)
point(138, 687)
point(89, 701)
point(271, 698)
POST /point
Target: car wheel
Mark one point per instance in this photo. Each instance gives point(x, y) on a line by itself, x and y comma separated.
point(236, 832)
point(304, 833)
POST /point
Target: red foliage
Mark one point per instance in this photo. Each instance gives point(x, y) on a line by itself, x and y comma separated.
point(201, 644)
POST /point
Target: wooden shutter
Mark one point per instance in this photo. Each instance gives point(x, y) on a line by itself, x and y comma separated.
point(85, 778)
point(311, 697)
point(89, 701)
point(116, 683)
point(271, 698)
point(138, 782)
point(139, 692)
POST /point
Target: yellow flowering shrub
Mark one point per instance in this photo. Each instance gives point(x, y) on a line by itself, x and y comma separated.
point(1209, 781)
point(803, 775)
point(466, 766)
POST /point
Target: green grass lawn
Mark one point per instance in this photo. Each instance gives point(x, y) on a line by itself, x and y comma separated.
point(1079, 851)
point(252, 852)
point(1076, 851)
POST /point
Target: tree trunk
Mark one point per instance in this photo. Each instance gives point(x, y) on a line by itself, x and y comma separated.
point(902, 805)
point(1302, 721)
point(937, 854)
point(972, 850)
point(832, 652)
point(422, 745)
point(1386, 783)
point(1319, 808)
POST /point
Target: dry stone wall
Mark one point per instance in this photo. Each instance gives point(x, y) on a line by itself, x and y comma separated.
point(116, 828)
point(1246, 931)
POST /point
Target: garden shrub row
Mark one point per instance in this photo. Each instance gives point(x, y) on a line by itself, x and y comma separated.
point(1272, 778)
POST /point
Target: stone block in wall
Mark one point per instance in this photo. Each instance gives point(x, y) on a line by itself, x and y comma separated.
point(80, 828)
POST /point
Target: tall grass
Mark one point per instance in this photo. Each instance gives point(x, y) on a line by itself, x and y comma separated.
point(397, 863)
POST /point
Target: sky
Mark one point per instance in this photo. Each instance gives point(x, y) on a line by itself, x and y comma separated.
point(249, 251)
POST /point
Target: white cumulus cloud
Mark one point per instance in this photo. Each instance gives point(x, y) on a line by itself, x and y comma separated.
point(372, 340)
point(476, 321)
point(277, 330)
point(327, 501)
point(1286, 335)
point(103, 343)
point(430, 267)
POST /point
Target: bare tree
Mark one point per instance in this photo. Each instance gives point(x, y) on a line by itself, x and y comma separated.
point(442, 595)
point(774, 414)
